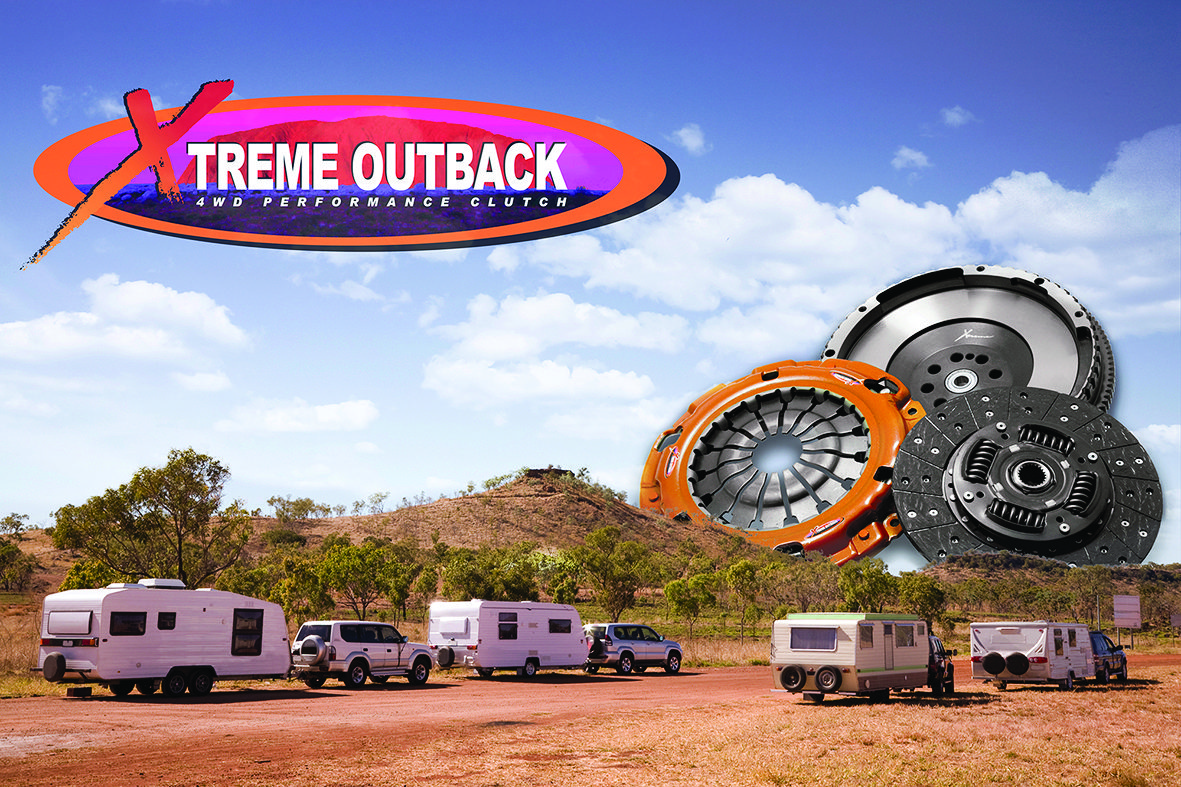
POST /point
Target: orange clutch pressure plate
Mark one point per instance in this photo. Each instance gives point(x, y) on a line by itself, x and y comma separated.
point(795, 456)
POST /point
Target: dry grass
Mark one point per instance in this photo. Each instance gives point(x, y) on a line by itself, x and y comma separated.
point(1125, 736)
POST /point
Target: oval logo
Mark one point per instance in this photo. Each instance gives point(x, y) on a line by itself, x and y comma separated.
point(354, 173)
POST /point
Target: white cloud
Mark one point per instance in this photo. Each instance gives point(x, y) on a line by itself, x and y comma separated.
point(480, 384)
point(51, 100)
point(692, 139)
point(141, 302)
point(209, 382)
point(1128, 224)
point(956, 116)
point(908, 158)
point(1160, 439)
point(524, 327)
point(297, 415)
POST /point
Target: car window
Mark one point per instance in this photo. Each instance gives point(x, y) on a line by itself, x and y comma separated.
point(389, 634)
point(322, 630)
point(350, 633)
point(596, 631)
point(648, 634)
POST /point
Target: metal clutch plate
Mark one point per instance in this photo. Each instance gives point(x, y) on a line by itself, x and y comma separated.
point(1027, 470)
point(795, 456)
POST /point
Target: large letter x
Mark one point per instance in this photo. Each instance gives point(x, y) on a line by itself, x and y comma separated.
point(152, 152)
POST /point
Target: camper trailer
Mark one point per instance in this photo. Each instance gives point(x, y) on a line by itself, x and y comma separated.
point(1031, 652)
point(858, 654)
point(524, 636)
point(155, 634)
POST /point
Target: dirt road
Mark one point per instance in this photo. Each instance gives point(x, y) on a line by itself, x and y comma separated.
point(558, 728)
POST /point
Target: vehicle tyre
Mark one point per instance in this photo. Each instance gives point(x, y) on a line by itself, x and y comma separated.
point(54, 668)
point(147, 686)
point(484, 672)
point(379, 678)
point(529, 670)
point(1123, 672)
point(1017, 663)
point(174, 685)
point(446, 657)
point(672, 664)
point(828, 679)
point(949, 687)
point(1101, 674)
point(627, 663)
point(596, 649)
point(314, 681)
point(315, 647)
point(937, 686)
point(122, 688)
point(355, 677)
point(420, 672)
point(590, 669)
point(994, 663)
point(202, 683)
point(792, 678)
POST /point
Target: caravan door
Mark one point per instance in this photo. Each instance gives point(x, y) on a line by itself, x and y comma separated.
point(888, 644)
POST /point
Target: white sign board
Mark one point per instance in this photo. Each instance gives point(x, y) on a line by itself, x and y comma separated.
point(1127, 612)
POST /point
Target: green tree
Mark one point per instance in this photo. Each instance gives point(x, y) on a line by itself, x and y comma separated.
point(922, 595)
point(508, 574)
point(166, 522)
point(13, 526)
point(690, 598)
point(358, 573)
point(866, 584)
point(744, 581)
point(616, 569)
point(87, 574)
point(806, 584)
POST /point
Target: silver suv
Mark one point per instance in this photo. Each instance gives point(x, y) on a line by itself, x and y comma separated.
point(353, 650)
point(629, 647)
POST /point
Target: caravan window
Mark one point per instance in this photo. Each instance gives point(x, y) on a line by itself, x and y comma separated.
point(507, 627)
point(247, 639)
point(1072, 637)
point(166, 621)
point(68, 623)
point(128, 624)
point(1057, 642)
point(904, 635)
point(559, 626)
point(813, 639)
point(865, 635)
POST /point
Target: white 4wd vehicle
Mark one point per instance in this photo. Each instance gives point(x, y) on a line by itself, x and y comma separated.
point(353, 650)
point(629, 647)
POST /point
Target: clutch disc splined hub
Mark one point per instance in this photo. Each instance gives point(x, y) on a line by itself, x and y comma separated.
point(951, 331)
point(795, 456)
point(1027, 470)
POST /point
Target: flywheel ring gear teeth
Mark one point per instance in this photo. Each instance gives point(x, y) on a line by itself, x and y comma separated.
point(954, 330)
point(795, 456)
point(1027, 470)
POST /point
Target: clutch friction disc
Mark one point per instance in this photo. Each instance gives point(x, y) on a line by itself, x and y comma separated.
point(795, 456)
point(951, 331)
point(1027, 470)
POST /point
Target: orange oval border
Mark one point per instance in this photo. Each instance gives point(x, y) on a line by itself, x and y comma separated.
point(649, 177)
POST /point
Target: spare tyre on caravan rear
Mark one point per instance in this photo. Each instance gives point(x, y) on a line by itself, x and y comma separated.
point(155, 634)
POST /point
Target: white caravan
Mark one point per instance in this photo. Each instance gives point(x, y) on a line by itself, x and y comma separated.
point(156, 634)
point(525, 636)
point(1031, 652)
point(846, 653)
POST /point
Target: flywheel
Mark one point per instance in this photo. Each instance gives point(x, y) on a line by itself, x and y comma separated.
point(795, 456)
point(953, 331)
point(1027, 470)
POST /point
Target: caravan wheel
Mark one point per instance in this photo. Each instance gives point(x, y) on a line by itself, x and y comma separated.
point(792, 678)
point(147, 686)
point(122, 688)
point(174, 685)
point(828, 679)
point(202, 683)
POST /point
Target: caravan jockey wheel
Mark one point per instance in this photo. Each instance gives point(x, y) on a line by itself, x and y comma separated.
point(953, 331)
point(795, 456)
point(1027, 470)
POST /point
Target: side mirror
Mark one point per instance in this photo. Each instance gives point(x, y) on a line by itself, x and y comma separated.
point(1119, 648)
point(954, 652)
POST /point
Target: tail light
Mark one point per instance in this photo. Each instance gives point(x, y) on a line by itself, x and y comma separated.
point(1038, 660)
point(70, 643)
point(977, 659)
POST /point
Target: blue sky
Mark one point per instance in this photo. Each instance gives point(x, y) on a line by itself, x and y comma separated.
point(826, 151)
